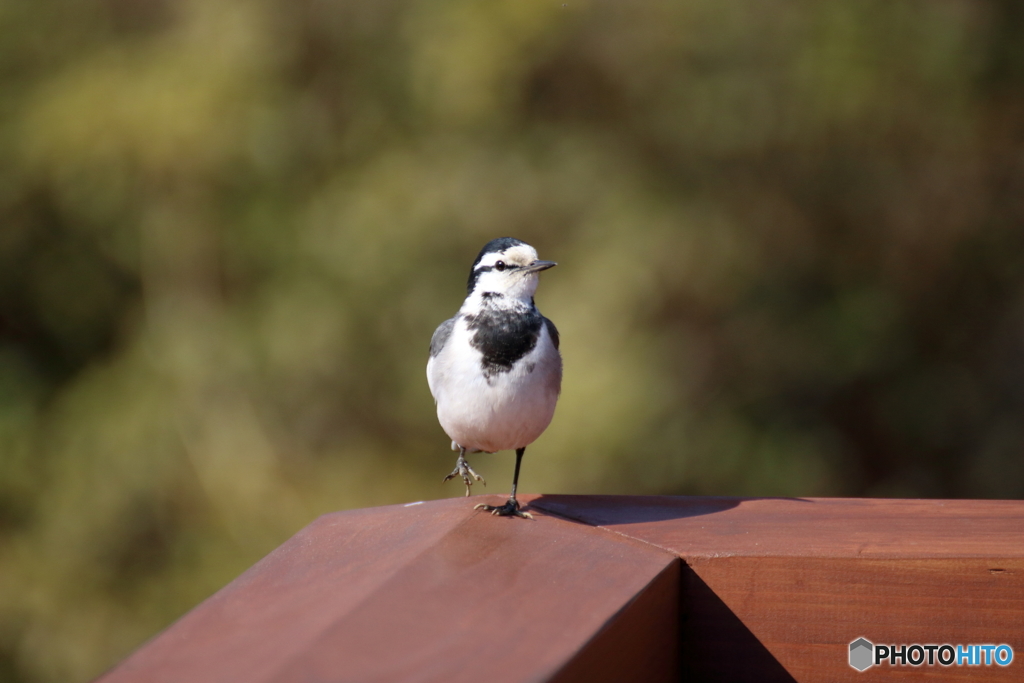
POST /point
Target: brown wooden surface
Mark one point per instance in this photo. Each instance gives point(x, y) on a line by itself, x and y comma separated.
point(805, 612)
point(776, 589)
point(611, 588)
point(640, 643)
point(806, 527)
point(430, 592)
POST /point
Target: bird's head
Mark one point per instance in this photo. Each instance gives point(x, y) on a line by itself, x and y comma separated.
point(506, 267)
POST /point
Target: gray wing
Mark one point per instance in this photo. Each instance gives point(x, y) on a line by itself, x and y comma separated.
point(552, 330)
point(441, 334)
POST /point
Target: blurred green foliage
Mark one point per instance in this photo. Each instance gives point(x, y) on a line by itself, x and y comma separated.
point(790, 236)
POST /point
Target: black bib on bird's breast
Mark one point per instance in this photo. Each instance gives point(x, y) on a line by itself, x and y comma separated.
point(504, 336)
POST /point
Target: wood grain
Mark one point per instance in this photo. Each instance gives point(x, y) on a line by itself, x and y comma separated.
point(806, 527)
point(776, 589)
point(433, 592)
point(600, 588)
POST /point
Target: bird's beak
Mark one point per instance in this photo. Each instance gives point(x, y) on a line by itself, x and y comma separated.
point(538, 266)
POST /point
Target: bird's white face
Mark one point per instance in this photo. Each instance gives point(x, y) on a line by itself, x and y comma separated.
point(512, 273)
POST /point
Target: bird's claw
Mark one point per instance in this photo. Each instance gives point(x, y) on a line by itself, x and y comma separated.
point(509, 509)
point(462, 469)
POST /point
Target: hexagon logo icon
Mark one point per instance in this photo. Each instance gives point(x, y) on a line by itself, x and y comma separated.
point(861, 653)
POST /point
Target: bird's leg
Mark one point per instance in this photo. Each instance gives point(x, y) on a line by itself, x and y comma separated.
point(511, 506)
point(463, 470)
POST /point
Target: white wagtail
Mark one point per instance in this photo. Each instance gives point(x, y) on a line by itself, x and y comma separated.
point(494, 369)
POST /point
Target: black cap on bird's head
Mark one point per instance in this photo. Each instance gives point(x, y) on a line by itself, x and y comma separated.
point(497, 245)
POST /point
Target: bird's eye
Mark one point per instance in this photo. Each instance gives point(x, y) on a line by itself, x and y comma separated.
point(499, 266)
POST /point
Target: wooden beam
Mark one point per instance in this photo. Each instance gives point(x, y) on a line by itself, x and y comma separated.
point(601, 588)
point(430, 592)
point(776, 589)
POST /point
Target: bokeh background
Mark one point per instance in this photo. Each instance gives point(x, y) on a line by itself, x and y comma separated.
point(789, 234)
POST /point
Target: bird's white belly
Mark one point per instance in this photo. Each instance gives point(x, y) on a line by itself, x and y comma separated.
point(507, 411)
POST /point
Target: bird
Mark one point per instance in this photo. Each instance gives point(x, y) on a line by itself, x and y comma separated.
point(495, 369)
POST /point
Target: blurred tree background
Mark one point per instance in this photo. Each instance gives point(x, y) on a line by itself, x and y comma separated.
point(790, 237)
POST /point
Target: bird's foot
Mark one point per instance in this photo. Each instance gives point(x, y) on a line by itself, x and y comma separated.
point(462, 469)
point(509, 509)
